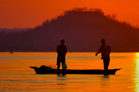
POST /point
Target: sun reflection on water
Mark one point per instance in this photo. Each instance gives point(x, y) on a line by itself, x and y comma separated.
point(136, 80)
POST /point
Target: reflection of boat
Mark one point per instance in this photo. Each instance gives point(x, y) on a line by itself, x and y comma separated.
point(47, 70)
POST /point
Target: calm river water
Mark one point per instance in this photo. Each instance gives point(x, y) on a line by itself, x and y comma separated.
point(16, 76)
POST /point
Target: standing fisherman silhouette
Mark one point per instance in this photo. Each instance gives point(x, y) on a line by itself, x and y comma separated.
point(61, 50)
point(105, 51)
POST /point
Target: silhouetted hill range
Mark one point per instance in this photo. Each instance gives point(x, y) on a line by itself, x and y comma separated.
point(82, 30)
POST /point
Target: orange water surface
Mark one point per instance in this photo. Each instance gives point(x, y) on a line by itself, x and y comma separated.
point(16, 76)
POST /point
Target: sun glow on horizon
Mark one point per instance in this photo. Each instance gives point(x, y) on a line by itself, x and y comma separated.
point(137, 54)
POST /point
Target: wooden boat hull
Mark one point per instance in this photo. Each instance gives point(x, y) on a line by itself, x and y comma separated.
point(68, 71)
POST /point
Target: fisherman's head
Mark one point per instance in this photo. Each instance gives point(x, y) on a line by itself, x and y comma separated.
point(103, 41)
point(62, 41)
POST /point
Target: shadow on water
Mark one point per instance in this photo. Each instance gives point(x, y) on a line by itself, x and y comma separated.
point(106, 76)
point(61, 78)
point(61, 75)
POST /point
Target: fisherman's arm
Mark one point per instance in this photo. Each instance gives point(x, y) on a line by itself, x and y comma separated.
point(99, 51)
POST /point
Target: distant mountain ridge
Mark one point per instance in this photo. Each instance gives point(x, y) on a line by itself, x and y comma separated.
point(82, 31)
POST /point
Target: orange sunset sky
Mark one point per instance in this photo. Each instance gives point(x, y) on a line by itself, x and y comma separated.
point(31, 13)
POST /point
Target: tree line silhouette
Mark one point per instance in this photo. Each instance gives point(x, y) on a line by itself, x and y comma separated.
point(85, 10)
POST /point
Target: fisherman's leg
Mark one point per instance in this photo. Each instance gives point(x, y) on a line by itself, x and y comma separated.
point(105, 66)
point(63, 61)
point(106, 61)
point(58, 65)
point(63, 70)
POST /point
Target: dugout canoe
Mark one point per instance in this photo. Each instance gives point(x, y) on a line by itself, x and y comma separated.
point(47, 70)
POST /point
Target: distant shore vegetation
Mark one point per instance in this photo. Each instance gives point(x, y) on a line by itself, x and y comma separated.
point(14, 30)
